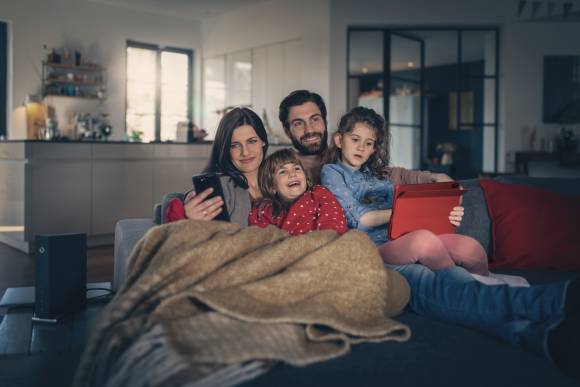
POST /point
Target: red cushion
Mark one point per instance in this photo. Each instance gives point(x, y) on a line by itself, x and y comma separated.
point(175, 211)
point(533, 228)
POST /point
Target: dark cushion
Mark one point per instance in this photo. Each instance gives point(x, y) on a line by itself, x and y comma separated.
point(533, 228)
point(476, 222)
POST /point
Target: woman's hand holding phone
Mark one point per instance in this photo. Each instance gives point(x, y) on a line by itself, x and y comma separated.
point(198, 207)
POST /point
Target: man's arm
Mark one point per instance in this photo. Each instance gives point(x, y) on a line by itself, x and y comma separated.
point(440, 177)
point(407, 176)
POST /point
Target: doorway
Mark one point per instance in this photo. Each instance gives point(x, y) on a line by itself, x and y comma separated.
point(442, 88)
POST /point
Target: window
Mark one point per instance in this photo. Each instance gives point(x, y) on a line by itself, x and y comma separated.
point(3, 77)
point(159, 90)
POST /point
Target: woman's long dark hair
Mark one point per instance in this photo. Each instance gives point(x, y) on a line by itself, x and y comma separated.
point(381, 157)
point(220, 160)
point(266, 180)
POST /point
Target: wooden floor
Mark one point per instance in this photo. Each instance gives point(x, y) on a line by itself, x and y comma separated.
point(17, 268)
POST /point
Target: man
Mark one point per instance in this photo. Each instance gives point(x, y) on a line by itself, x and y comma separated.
point(303, 116)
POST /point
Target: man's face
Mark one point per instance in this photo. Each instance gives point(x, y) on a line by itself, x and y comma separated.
point(307, 129)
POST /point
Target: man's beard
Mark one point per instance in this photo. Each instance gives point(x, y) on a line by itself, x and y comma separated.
point(313, 149)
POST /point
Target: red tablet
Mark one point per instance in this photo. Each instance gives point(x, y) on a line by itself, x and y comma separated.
point(424, 206)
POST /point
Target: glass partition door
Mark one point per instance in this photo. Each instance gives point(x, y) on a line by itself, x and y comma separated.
point(442, 84)
point(405, 118)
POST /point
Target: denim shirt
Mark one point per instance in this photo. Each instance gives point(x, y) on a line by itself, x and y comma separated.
point(358, 192)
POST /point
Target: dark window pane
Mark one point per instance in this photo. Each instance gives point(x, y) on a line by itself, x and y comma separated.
point(405, 58)
point(478, 53)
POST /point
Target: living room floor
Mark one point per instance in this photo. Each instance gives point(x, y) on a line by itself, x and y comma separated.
point(17, 268)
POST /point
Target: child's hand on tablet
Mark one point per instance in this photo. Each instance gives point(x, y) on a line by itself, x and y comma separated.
point(456, 215)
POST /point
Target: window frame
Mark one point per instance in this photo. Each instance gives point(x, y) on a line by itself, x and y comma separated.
point(4, 78)
point(159, 50)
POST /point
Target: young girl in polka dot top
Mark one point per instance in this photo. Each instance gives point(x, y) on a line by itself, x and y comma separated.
point(290, 202)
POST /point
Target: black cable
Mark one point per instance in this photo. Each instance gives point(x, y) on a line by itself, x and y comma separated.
point(111, 291)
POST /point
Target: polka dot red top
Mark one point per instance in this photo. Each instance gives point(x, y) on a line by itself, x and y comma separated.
point(316, 209)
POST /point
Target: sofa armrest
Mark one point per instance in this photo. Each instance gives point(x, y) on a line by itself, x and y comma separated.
point(127, 234)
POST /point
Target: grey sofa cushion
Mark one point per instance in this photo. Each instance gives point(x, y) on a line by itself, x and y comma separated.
point(476, 222)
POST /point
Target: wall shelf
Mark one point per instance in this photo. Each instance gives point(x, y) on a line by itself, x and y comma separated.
point(84, 81)
point(72, 67)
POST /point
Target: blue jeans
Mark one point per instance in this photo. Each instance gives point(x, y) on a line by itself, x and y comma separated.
point(521, 316)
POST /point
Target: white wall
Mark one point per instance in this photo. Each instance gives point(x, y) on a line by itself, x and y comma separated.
point(522, 46)
point(100, 31)
point(320, 25)
point(277, 21)
point(526, 44)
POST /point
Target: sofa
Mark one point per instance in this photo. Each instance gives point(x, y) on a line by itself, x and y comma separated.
point(438, 353)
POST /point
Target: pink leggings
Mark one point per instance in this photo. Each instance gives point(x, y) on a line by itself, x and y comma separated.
point(436, 251)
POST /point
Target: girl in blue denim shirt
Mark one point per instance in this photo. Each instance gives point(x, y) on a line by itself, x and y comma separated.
point(357, 157)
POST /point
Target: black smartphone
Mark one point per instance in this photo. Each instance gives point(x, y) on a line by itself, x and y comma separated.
point(207, 180)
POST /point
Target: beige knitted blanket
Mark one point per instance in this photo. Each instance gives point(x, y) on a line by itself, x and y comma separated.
point(202, 295)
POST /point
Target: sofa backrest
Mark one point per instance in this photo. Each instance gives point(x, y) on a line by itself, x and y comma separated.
point(563, 186)
point(476, 222)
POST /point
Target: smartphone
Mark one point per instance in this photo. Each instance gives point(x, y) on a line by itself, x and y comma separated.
point(207, 180)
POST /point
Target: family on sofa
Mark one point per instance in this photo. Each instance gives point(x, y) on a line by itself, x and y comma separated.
point(539, 318)
point(283, 190)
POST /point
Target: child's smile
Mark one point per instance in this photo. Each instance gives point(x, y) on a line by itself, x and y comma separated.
point(290, 181)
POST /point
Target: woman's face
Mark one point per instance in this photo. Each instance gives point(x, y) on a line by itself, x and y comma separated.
point(247, 149)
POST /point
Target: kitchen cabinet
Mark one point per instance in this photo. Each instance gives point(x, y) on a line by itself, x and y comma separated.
point(83, 187)
point(277, 72)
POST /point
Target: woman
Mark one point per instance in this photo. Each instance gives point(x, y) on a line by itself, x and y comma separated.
point(238, 150)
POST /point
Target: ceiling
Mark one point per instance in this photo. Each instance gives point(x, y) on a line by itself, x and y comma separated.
point(189, 9)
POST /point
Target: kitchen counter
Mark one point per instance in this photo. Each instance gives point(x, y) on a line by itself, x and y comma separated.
point(202, 142)
point(53, 187)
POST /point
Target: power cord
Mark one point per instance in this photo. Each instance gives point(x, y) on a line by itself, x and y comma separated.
point(110, 292)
